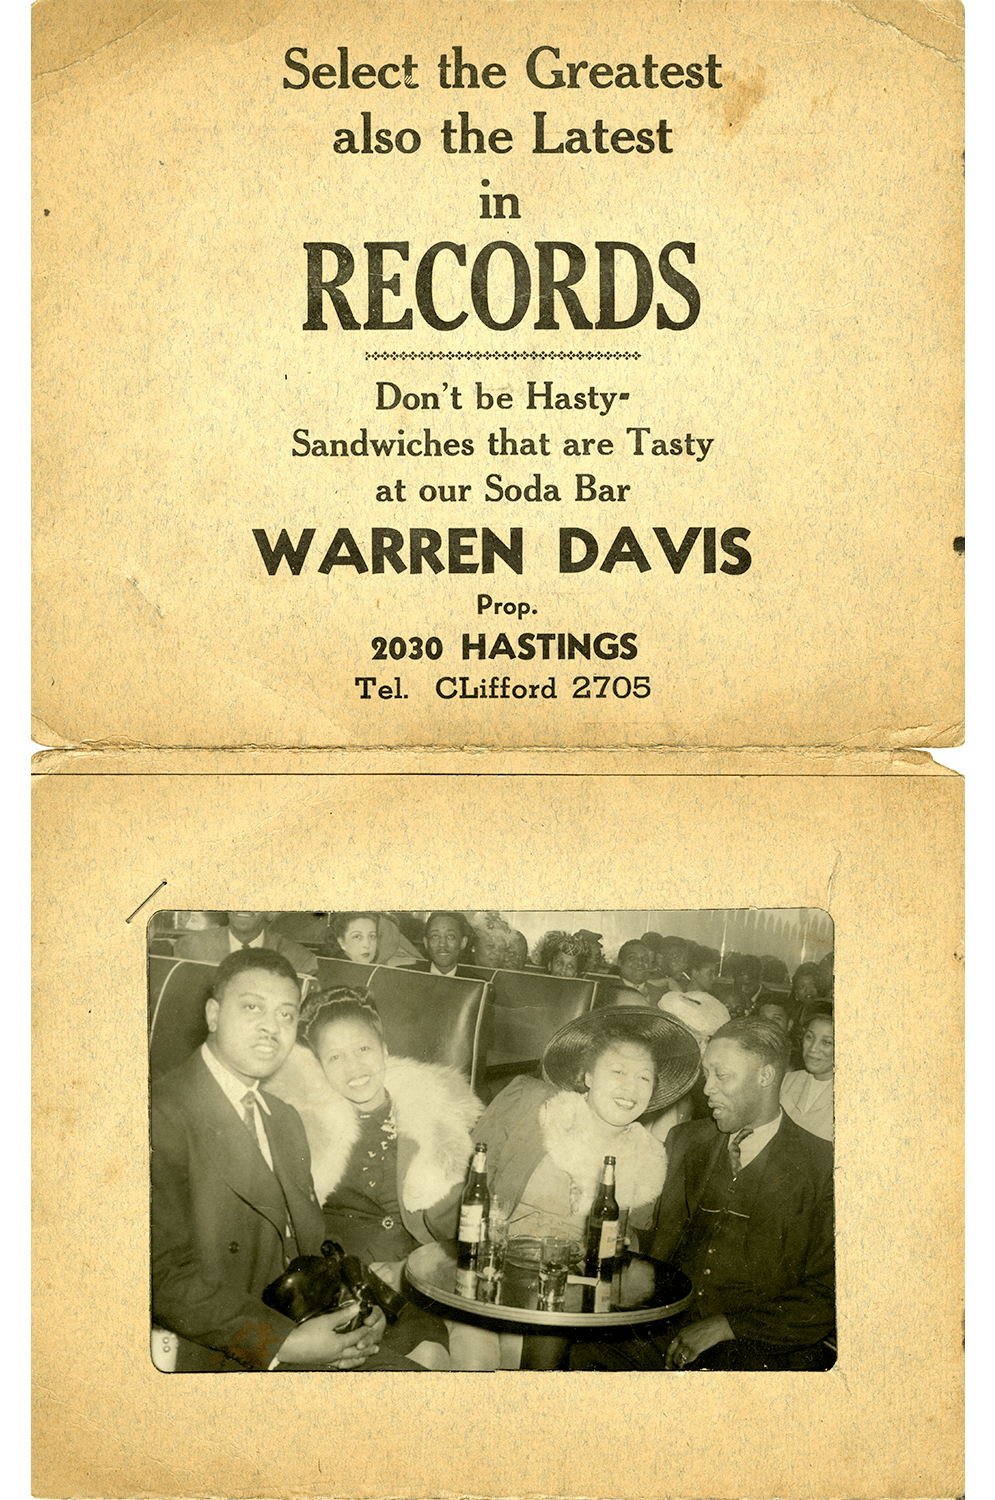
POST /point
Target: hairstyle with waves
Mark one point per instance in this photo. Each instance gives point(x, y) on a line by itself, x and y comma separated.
point(341, 1004)
point(252, 958)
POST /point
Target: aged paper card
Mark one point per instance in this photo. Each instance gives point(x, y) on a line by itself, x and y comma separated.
point(880, 852)
point(536, 375)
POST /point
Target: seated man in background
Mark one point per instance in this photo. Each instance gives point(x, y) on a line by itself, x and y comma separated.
point(446, 940)
point(671, 972)
point(517, 952)
point(747, 985)
point(778, 1011)
point(635, 964)
point(697, 1006)
point(746, 1213)
point(232, 1199)
point(246, 929)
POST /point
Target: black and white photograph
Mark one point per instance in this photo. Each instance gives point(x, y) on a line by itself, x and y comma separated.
point(481, 1140)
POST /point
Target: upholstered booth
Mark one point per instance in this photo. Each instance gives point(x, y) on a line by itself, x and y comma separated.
point(431, 1018)
point(425, 1016)
point(473, 971)
point(524, 1009)
point(608, 986)
point(178, 990)
point(335, 972)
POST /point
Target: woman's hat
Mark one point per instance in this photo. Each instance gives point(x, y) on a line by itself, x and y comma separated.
point(675, 1051)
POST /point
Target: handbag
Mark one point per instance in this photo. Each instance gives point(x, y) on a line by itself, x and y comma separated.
point(316, 1284)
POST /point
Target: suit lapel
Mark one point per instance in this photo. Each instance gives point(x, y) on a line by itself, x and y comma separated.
point(219, 939)
point(699, 1166)
point(706, 1158)
point(777, 1169)
point(299, 1199)
point(236, 1155)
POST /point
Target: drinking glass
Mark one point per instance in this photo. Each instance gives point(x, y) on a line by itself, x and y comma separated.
point(497, 1218)
point(490, 1266)
point(554, 1263)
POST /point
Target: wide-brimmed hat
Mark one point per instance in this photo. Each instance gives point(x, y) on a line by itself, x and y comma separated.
point(673, 1045)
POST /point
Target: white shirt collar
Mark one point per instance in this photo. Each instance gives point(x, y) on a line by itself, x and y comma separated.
point(235, 1089)
point(234, 943)
point(752, 1145)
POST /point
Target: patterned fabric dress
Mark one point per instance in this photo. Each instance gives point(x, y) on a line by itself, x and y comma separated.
point(363, 1214)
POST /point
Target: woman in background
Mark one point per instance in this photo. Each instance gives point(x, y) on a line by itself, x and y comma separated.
point(560, 954)
point(807, 1093)
point(355, 935)
point(368, 937)
point(806, 985)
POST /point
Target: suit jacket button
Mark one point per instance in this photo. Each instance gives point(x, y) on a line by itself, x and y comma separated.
point(233, 1247)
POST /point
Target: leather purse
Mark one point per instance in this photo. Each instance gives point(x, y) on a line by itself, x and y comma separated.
point(316, 1284)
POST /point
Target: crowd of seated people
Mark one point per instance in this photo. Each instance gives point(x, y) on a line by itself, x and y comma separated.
point(709, 1078)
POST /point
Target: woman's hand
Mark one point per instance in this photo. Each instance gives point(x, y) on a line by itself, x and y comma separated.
point(318, 1341)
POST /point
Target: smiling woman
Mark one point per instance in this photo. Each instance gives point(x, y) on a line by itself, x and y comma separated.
point(547, 1140)
point(390, 1142)
point(807, 1093)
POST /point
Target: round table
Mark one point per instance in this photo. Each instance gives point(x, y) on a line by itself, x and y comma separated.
point(644, 1291)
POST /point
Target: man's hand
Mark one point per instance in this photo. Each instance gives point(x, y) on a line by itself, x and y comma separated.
point(692, 1341)
point(318, 1342)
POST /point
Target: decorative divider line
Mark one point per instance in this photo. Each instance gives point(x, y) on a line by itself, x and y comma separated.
point(503, 354)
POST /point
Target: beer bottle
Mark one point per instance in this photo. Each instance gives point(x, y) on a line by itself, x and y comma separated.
point(474, 1206)
point(602, 1227)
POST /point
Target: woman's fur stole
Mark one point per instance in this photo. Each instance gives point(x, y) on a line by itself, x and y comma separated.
point(434, 1108)
point(574, 1146)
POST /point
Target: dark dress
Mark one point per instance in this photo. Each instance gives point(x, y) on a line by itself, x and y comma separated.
point(363, 1214)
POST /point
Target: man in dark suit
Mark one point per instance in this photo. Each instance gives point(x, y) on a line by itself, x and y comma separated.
point(232, 1198)
point(246, 929)
point(747, 1214)
point(751, 986)
point(446, 937)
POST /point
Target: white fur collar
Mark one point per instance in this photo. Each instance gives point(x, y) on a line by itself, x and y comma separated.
point(574, 1146)
point(434, 1108)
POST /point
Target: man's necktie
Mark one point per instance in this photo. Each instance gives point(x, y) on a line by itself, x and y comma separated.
point(250, 1117)
point(249, 1114)
point(734, 1154)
